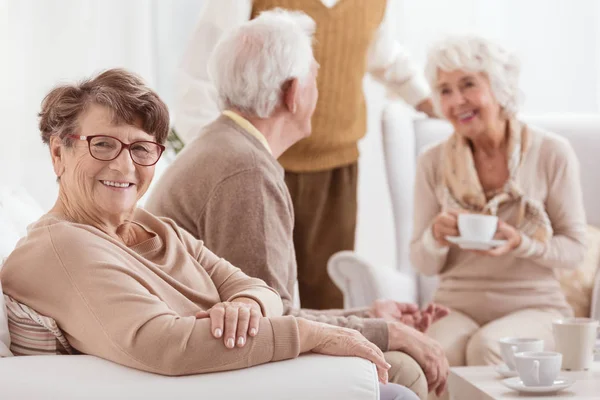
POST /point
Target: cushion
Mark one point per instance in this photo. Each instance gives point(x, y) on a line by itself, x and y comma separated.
point(32, 333)
point(8, 235)
point(4, 333)
point(578, 284)
point(20, 208)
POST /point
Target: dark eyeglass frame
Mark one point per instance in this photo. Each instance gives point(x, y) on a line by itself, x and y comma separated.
point(123, 146)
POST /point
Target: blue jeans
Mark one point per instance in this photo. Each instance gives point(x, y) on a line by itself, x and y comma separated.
point(391, 391)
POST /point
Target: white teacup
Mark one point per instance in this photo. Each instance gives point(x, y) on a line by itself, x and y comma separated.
point(538, 368)
point(509, 346)
point(576, 339)
point(477, 226)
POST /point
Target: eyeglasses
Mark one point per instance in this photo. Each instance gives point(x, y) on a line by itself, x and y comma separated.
point(107, 148)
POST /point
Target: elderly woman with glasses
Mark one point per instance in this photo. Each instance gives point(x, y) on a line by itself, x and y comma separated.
point(494, 164)
point(132, 288)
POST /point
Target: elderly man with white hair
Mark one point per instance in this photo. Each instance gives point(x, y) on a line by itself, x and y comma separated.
point(353, 38)
point(493, 164)
point(227, 188)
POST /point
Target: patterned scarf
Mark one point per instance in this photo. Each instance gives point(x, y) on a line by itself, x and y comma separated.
point(462, 189)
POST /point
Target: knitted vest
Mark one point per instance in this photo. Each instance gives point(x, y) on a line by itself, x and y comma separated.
point(342, 39)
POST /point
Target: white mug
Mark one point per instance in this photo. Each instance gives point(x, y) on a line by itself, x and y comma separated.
point(538, 368)
point(477, 226)
point(509, 346)
point(576, 338)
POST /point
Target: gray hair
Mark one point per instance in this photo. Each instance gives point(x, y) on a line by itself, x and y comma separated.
point(250, 65)
point(476, 54)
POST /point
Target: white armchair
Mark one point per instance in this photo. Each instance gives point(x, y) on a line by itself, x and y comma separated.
point(404, 137)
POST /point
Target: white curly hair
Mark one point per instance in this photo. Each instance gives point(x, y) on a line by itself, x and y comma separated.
point(476, 54)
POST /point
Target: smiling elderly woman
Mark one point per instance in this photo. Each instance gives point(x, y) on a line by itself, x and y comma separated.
point(130, 287)
point(494, 164)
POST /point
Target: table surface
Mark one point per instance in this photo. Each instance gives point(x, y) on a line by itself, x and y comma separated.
point(484, 383)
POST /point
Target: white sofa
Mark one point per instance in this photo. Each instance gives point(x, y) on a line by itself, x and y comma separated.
point(403, 139)
point(78, 377)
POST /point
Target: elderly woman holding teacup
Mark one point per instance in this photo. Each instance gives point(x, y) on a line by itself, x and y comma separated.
point(494, 178)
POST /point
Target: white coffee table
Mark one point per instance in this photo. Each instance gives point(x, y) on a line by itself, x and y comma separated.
point(484, 383)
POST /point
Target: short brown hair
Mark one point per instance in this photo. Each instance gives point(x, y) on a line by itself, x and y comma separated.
point(123, 92)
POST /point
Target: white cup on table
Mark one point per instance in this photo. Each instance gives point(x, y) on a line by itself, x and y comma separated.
point(509, 346)
point(576, 339)
point(538, 368)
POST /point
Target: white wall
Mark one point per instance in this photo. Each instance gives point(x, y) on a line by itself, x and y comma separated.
point(48, 42)
point(44, 42)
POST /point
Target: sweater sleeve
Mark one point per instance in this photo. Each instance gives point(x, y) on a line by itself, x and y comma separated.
point(195, 95)
point(391, 64)
point(256, 236)
point(105, 310)
point(564, 205)
point(230, 281)
point(426, 255)
point(374, 329)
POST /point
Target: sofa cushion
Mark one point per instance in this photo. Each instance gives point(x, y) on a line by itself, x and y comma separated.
point(4, 332)
point(578, 284)
point(32, 333)
point(8, 235)
point(20, 208)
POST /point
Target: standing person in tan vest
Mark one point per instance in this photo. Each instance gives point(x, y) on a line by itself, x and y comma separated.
point(353, 37)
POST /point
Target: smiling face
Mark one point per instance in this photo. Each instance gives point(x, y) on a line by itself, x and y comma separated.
point(102, 191)
point(467, 101)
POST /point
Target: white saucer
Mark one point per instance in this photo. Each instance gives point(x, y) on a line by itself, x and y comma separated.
point(467, 244)
point(560, 383)
point(506, 372)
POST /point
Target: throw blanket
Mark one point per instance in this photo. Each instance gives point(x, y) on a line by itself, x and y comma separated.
point(463, 190)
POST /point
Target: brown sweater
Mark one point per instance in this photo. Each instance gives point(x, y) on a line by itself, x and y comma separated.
point(136, 306)
point(342, 39)
point(226, 188)
point(487, 288)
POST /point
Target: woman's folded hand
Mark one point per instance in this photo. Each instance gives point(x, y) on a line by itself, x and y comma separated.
point(233, 320)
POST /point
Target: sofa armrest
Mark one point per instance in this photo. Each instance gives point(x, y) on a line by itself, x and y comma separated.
point(362, 284)
point(310, 376)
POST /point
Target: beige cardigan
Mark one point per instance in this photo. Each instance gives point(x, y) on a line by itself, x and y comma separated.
point(226, 188)
point(487, 288)
point(136, 306)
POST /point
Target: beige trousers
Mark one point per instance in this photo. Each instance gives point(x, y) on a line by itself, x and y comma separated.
point(407, 372)
point(466, 343)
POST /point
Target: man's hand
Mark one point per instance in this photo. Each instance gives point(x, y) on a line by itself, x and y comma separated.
point(422, 320)
point(337, 341)
point(408, 313)
point(391, 310)
point(426, 351)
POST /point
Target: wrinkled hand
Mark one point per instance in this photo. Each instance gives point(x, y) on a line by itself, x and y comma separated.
point(391, 310)
point(426, 351)
point(233, 320)
point(422, 320)
point(337, 341)
point(510, 234)
point(407, 313)
point(445, 224)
